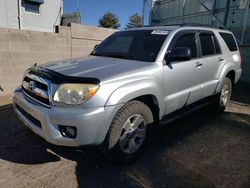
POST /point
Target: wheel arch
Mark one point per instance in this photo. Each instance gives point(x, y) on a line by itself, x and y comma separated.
point(152, 102)
point(231, 76)
point(229, 73)
point(146, 91)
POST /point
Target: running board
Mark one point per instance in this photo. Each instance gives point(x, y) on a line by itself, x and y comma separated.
point(184, 111)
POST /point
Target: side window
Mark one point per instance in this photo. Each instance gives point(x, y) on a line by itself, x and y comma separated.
point(229, 40)
point(32, 6)
point(188, 41)
point(207, 44)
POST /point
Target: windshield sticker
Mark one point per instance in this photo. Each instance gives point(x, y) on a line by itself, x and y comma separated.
point(159, 32)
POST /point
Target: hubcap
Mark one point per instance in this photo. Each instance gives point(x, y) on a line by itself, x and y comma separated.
point(224, 95)
point(133, 134)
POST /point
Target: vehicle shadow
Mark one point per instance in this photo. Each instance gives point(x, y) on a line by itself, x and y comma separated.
point(241, 92)
point(157, 167)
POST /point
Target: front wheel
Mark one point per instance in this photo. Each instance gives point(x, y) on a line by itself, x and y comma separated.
point(128, 133)
point(222, 99)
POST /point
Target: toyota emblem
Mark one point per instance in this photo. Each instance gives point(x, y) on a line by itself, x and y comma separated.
point(32, 86)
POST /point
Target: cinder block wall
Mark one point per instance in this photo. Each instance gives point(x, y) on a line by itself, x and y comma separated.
point(21, 49)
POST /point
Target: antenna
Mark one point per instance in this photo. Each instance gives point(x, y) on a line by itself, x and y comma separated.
point(78, 5)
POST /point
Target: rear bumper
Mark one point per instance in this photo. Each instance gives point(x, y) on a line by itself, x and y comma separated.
point(91, 124)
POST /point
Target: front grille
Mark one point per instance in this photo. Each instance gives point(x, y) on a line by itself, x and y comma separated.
point(36, 90)
point(28, 116)
point(34, 96)
point(39, 84)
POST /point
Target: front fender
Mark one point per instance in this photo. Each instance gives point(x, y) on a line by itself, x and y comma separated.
point(136, 89)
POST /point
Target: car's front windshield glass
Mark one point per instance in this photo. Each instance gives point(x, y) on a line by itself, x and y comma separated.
point(139, 45)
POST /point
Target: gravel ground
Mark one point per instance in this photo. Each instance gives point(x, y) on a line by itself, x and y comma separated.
point(202, 149)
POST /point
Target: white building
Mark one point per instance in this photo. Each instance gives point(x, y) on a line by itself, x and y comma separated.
point(37, 15)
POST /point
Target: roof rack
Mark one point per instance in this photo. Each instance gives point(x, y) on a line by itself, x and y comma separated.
point(162, 25)
point(188, 24)
point(202, 25)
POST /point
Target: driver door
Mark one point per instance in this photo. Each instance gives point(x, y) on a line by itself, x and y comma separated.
point(182, 79)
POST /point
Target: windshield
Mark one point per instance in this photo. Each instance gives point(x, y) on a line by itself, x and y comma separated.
point(140, 45)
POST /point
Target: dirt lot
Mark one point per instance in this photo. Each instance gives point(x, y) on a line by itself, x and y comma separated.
point(200, 150)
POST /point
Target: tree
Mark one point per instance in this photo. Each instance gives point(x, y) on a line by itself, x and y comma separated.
point(109, 20)
point(134, 21)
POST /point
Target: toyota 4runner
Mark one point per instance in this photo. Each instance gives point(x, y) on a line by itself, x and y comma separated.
point(133, 80)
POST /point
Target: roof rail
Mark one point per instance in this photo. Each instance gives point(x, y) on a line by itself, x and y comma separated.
point(161, 25)
point(188, 24)
point(202, 25)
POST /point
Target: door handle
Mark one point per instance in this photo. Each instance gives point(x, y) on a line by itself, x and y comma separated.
point(220, 59)
point(198, 65)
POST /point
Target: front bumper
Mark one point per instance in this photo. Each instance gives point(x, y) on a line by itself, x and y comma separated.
point(92, 124)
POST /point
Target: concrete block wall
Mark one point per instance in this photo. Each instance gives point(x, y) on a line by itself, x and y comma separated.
point(21, 49)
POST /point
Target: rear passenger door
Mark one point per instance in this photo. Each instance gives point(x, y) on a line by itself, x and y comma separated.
point(210, 60)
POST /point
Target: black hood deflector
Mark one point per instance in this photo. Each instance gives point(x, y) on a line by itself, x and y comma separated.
point(58, 78)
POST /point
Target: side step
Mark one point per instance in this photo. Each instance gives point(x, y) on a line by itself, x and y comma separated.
point(185, 111)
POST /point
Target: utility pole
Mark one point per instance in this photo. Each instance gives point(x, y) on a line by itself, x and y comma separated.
point(150, 12)
point(183, 10)
point(214, 9)
point(78, 5)
point(226, 12)
point(78, 9)
point(245, 23)
point(143, 10)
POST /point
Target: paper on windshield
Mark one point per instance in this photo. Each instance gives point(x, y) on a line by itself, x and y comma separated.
point(159, 32)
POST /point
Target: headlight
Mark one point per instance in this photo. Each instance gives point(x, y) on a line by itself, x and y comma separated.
point(75, 94)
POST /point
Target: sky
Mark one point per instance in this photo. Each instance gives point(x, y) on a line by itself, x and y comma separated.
point(92, 10)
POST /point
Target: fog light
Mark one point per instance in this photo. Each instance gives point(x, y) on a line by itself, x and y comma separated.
point(67, 131)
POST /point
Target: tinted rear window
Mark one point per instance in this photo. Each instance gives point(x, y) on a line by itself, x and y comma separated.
point(229, 40)
point(207, 45)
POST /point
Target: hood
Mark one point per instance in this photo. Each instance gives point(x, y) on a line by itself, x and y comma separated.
point(102, 68)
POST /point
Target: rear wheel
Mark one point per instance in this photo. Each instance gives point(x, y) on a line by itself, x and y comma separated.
point(222, 99)
point(128, 133)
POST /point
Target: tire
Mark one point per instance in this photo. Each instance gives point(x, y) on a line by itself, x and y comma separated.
point(128, 133)
point(222, 99)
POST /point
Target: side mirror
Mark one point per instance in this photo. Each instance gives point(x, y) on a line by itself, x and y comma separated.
point(96, 46)
point(178, 54)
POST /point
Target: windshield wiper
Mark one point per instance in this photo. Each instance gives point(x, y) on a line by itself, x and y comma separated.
point(121, 56)
point(96, 54)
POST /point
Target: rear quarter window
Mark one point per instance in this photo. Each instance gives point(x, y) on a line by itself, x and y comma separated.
point(229, 40)
point(207, 44)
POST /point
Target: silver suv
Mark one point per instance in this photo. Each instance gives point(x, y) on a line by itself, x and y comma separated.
point(131, 81)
